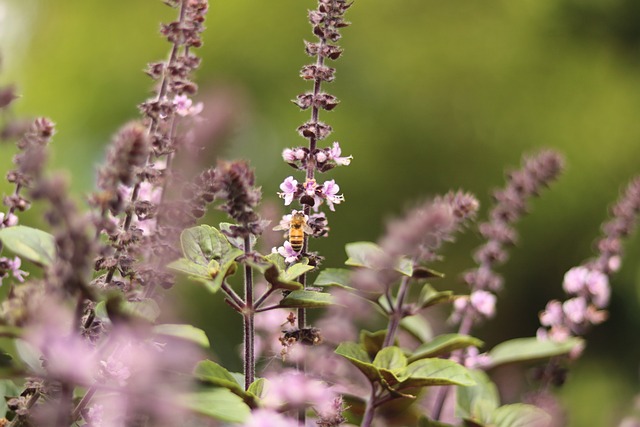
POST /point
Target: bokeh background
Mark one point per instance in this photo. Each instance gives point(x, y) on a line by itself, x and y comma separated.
point(435, 96)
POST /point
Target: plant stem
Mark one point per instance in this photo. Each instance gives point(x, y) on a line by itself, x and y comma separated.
point(86, 399)
point(397, 313)
point(370, 409)
point(263, 298)
point(248, 321)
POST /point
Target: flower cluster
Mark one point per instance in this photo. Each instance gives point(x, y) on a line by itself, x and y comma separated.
point(511, 203)
point(326, 21)
point(324, 159)
point(134, 181)
point(417, 236)
point(310, 193)
point(588, 284)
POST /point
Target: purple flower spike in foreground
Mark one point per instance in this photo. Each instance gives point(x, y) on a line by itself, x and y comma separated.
point(269, 418)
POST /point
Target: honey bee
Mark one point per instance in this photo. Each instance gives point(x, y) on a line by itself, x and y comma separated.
point(297, 227)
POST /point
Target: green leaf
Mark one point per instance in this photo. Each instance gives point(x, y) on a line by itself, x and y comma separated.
point(430, 372)
point(276, 274)
point(358, 357)
point(306, 299)
point(257, 388)
point(405, 267)
point(390, 358)
point(339, 277)
point(208, 256)
point(520, 415)
point(29, 243)
point(444, 344)
point(368, 254)
point(238, 242)
point(372, 341)
point(183, 265)
point(363, 254)
point(417, 326)
point(186, 332)
point(391, 363)
point(217, 403)
point(211, 372)
point(296, 270)
point(477, 402)
point(530, 349)
point(201, 244)
point(429, 296)
point(7, 389)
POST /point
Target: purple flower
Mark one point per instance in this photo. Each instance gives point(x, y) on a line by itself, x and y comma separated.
point(269, 418)
point(14, 266)
point(330, 192)
point(288, 155)
point(484, 302)
point(552, 315)
point(294, 389)
point(94, 415)
point(289, 188)
point(575, 280)
point(575, 309)
point(287, 252)
point(184, 106)
point(7, 265)
point(321, 157)
point(597, 284)
point(114, 368)
point(473, 359)
point(310, 186)
point(8, 220)
point(334, 154)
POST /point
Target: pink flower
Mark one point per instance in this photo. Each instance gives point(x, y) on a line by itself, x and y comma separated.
point(8, 221)
point(269, 418)
point(330, 192)
point(575, 309)
point(598, 286)
point(184, 106)
point(310, 186)
point(289, 155)
point(289, 188)
point(321, 157)
point(287, 252)
point(552, 315)
point(476, 360)
point(297, 390)
point(334, 154)
point(114, 368)
point(14, 267)
point(575, 280)
point(484, 302)
point(94, 415)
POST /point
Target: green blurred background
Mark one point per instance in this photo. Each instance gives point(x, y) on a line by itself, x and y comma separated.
point(435, 96)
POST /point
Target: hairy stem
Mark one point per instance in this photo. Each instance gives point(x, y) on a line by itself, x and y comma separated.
point(248, 321)
point(370, 409)
point(397, 313)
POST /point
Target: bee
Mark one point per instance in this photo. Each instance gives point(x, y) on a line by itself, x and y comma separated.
point(297, 228)
point(305, 336)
